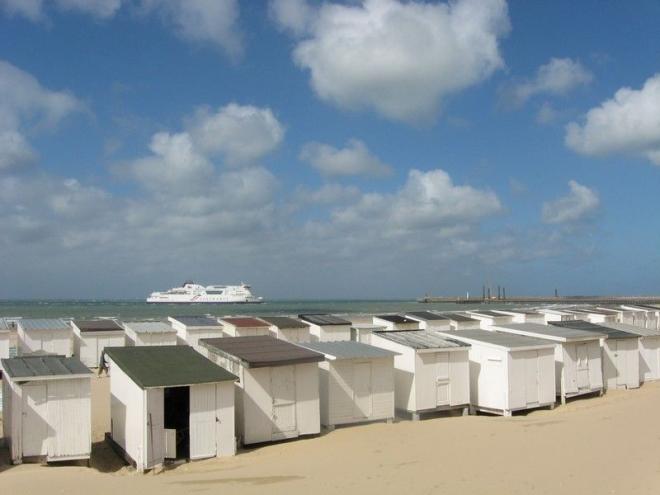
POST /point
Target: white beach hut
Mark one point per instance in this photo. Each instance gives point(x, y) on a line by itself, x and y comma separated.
point(396, 322)
point(244, 326)
point(287, 328)
point(356, 382)
point(277, 394)
point(5, 337)
point(327, 328)
point(639, 316)
point(431, 372)
point(578, 365)
point(361, 332)
point(169, 402)
point(523, 315)
point(189, 329)
point(44, 336)
point(649, 349)
point(508, 373)
point(92, 336)
point(460, 321)
point(46, 408)
point(489, 318)
point(620, 353)
point(429, 321)
point(594, 315)
point(554, 314)
point(141, 333)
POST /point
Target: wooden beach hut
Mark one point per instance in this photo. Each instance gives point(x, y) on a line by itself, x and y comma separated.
point(5, 337)
point(396, 322)
point(649, 349)
point(277, 395)
point(44, 336)
point(288, 329)
point(141, 333)
point(460, 321)
point(169, 402)
point(554, 314)
point(356, 382)
point(431, 371)
point(578, 365)
point(594, 315)
point(46, 408)
point(620, 353)
point(92, 336)
point(189, 329)
point(361, 332)
point(327, 328)
point(523, 315)
point(489, 318)
point(508, 373)
point(429, 321)
point(244, 326)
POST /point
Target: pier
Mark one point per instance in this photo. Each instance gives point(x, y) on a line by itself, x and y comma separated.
point(543, 300)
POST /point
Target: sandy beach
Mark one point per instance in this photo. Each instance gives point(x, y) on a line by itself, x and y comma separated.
point(591, 446)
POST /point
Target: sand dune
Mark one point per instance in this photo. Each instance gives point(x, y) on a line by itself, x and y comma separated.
point(591, 446)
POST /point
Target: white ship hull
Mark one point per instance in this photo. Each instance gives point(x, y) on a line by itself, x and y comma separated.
point(191, 293)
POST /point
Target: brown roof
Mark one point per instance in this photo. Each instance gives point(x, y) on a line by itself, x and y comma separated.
point(98, 326)
point(245, 322)
point(261, 351)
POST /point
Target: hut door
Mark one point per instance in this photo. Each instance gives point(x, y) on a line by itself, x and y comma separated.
point(202, 421)
point(532, 377)
point(583, 366)
point(362, 389)
point(442, 378)
point(35, 420)
point(283, 390)
point(155, 427)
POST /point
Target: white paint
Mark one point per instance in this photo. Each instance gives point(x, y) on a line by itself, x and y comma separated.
point(620, 363)
point(88, 346)
point(36, 341)
point(329, 333)
point(295, 335)
point(191, 335)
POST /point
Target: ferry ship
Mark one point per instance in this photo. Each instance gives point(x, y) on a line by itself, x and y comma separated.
point(191, 292)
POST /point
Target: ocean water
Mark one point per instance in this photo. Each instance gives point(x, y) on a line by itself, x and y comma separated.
point(139, 309)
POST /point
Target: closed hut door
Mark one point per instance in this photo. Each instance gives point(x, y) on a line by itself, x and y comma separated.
point(283, 390)
point(583, 366)
point(532, 377)
point(362, 390)
point(442, 378)
point(35, 420)
point(202, 421)
point(155, 427)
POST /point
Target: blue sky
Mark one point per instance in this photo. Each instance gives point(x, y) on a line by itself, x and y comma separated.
point(320, 150)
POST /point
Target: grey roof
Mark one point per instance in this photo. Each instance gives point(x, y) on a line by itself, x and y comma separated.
point(489, 313)
point(624, 327)
point(396, 319)
point(260, 351)
point(347, 350)
point(421, 339)
point(505, 340)
point(585, 325)
point(551, 331)
point(149, 326)
point(285, 322)
point(98, 326)
point(459, 317)
point(197, 321)
point(33, 367)
point(323, 319)
point(427, 316)
point(43, 324)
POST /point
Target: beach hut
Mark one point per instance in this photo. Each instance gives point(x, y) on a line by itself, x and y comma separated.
point(649, 349)
point(508, 373)
point(553, 314)
point(431, 372)
point(459, 321)
point(594, 315)
point(140, 333)
point(327, 328)
point(277, 395)
point(523, 315)
point(44, 336)
point(429, 321)
point(288, 329)
point(169, 402)
point(5, 337)
point(489, 318)
point(244, 326)
point(639, 317)
point(578, 366)
point(189, 329)
point(46, 408)
point(356, 382)
point(396, 322)
point(92, 336)
point(361, 332)
point(620, 353)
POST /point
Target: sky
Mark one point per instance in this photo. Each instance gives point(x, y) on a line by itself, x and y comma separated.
point(360, 149)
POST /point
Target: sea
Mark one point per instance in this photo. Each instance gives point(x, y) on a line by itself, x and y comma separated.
point(136, 309)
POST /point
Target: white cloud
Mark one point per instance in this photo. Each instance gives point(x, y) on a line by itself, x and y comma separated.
point(558, 77)
point(354, 159)
point(204, 21)
point(400, 59)
point(35, 10)
point(292, 15)
point(242, 134)
point(627, 123)
point(578, 204)
point(328, 194)
point(15, 151)
point(546, 114)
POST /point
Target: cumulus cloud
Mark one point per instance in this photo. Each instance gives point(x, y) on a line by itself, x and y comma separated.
point(627, 123)
point(580, 203)
point(354, 159)
point(35, 10)
point(558, 77)
point(292, 15)
point(15, 151)
point(328, 194)
point(398, 58)
point(203, 21)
